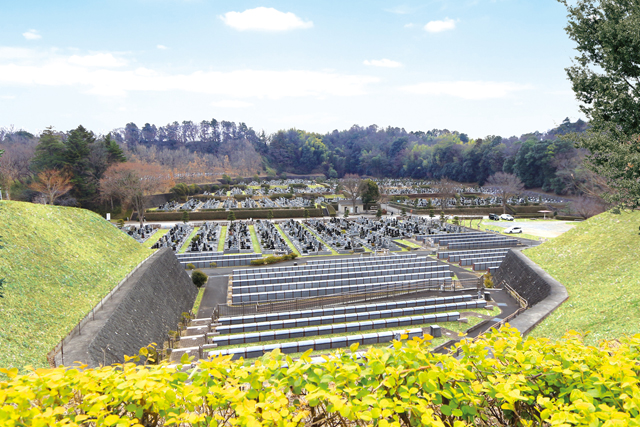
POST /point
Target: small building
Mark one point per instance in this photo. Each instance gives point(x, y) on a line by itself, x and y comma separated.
point(348, 204)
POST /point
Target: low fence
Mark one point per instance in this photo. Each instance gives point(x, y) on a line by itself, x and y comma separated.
point(408, 290)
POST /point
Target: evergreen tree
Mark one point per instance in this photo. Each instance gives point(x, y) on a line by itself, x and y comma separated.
point(114, 152)
point(50, 152)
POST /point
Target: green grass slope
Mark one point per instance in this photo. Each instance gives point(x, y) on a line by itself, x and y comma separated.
point(57, 263)
point(599, 263)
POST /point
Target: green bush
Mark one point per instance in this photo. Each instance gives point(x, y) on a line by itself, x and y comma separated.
point(213, 264)
point(190, 266)
point(199, 278)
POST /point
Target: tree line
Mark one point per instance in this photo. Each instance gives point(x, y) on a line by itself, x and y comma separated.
point(81, 168)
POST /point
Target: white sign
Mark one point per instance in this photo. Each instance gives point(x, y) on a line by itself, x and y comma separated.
point(108, 217)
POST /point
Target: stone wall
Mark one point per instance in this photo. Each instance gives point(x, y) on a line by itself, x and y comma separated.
point(543, 293)
point(146, 307)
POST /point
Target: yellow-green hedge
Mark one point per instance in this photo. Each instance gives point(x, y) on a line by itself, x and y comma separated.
point(498, 380)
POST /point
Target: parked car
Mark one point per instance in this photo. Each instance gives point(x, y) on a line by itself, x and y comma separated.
point(506, 217)
point(513, 230)
point(494, 217)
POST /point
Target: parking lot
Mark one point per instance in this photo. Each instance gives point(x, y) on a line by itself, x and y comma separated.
point(539, 227)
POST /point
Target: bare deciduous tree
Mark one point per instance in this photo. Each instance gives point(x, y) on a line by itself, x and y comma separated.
point(507, 185)
point(52, 184)
point(351, 183)
point(133, 182)
point(587, 207)
point(446, 189)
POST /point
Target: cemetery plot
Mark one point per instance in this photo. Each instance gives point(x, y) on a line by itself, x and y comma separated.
point(206, 238)
point(335, 327)
point(356, 275)
point(238, 238)
point(305, 242)
point(175, 237)
point(211, 204)
point(282, 202)
point(141, 234)
point(270, 239)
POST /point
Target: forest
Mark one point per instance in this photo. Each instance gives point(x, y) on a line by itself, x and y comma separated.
point(202, 152)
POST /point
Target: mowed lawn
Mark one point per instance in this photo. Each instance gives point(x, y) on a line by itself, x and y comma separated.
point(599, 263)
point(57, 263)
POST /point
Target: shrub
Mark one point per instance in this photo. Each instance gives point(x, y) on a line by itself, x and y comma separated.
point(199, 278)
point(213, 264)
point(190, 266)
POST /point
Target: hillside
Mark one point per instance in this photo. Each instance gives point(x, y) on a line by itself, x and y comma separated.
point(598, 262)
point(57, 263)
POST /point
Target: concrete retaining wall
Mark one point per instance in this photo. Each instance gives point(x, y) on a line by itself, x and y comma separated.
point(543, 293)
point(146, 307)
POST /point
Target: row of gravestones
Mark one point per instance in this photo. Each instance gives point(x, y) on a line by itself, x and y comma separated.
point(206, 238)
point(303, 239)
point(271, 242)
point(238, 238)
point(141, 234)
point(175, 237)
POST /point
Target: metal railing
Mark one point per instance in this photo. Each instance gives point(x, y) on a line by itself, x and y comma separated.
point(390, 292)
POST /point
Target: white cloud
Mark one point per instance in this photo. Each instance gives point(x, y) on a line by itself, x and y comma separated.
point(439, 26)
point(472, 90)
point(264, 19)
point(409, 25)
point(387, 63)
point(97, 60)
point(231, 103)
point(95, 74)
point(162, 47)
point(32, 35)
point(15, 53)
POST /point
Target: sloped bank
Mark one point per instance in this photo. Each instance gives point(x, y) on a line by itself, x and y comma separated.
point(543, 293)
point(144, 308)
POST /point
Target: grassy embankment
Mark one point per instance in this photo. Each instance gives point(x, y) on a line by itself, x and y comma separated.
point(597, 261)
point(56, 264)
point(254, 240)
point(223, 235)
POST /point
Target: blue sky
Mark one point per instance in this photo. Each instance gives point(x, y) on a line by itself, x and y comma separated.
point(477, 66)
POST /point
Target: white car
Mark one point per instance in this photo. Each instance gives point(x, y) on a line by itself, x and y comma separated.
point(506, 217)
point(513, 230)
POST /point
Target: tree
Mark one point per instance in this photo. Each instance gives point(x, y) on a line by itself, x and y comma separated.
point(379, 213)
point(270, 214)
point(447, 190)
point(369, 192)
point(306, 213)
point(114, 152)
point(351, 184)
point(506, 185)
point(231, 216)
point(199, 278)
point(346, 212)
point(50, 152)
point(185, 216)
point(132, 183)
point(52, 184)
point(605, 77)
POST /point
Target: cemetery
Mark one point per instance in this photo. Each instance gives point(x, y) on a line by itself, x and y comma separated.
point(350, 275)
point(304, 240)
point(206, 238)
point(175, 238)
point(238, 238)
point(270, 240)
point(250, 336)
point(141, 234)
